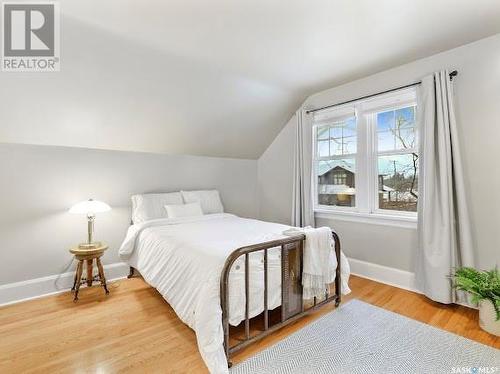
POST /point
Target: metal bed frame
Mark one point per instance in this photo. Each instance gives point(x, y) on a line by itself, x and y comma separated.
point(287, 245)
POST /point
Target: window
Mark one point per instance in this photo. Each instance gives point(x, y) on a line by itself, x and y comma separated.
point(397, 163)
point(336, 147)
point(366, 156)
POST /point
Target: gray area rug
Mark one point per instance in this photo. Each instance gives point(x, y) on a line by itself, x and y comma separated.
point(362, 338)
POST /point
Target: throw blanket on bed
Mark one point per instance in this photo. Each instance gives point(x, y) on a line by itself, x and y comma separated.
point(320, 261)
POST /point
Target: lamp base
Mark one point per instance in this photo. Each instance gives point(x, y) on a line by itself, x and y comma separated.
point(92, 245)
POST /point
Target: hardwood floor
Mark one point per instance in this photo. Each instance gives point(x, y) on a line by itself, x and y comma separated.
point(135, 330)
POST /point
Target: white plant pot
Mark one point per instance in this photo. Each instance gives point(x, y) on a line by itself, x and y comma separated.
point(488, 318)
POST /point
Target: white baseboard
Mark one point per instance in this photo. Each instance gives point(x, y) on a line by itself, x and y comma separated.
point(35, 288)
point(384, 274)
point(387, 275)
point(53, 284)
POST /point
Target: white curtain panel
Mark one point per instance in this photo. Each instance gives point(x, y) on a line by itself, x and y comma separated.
point(444, 235)
point(302, 205)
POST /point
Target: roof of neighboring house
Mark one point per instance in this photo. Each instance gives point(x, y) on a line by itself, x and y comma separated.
point(326, 166)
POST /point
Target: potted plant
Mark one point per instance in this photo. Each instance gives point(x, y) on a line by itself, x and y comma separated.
point(484, 286)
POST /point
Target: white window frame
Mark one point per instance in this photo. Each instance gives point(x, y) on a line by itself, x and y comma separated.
point(315, 159)
point(366, 164)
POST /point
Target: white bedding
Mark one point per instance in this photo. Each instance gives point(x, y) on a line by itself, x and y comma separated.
point(183, 259)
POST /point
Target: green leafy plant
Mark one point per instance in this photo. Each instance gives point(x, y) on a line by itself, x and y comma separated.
point(482, 285)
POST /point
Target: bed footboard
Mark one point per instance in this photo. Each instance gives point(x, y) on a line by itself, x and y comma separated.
point(291, 248)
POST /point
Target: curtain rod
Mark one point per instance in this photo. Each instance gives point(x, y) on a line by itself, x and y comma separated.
point(452, 74)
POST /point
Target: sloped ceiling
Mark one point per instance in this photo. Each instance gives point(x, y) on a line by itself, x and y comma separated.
point(217, 78)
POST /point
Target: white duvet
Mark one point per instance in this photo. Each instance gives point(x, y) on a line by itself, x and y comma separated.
point(183, 259)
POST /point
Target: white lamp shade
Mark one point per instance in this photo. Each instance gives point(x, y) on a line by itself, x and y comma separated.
point(89, 207)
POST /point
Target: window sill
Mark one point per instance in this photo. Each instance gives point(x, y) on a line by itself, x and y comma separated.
point(370, 218)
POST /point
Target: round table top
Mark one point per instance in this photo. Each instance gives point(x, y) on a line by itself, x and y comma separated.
point(89, 251)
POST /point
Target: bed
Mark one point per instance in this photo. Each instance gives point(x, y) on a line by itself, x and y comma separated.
point(207, 267)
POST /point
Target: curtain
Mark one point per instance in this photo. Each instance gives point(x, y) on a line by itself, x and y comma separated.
point(444, 236)
point(302, 204)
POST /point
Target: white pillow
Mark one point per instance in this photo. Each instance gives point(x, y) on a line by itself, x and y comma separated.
point(209, 200)
point(185, 210)
point(152, 205)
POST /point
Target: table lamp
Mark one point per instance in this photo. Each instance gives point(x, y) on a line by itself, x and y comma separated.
point(90, 208)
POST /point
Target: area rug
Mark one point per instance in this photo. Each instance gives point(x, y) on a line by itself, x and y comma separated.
point(362, 338)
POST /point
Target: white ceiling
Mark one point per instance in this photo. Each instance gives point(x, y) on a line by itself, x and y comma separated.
point(219, 78)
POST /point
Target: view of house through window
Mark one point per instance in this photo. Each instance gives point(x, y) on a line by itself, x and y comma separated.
point(336, 152)
point(378, 135)
point(336, 184)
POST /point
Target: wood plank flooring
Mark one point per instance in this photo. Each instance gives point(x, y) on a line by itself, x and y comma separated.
point(134, 330)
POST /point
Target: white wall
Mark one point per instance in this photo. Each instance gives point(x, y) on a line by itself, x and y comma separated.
point(158, 76)
point(127, 84)
point(39, 184)
point(275, 168)
point(477, 97)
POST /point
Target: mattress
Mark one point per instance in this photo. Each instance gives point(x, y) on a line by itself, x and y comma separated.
point(179, 249)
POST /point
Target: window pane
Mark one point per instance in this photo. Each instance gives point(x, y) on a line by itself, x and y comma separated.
point(405, 138)
point(336, 182)
point(386, 141)
point(406, 115)
point(350, 127)
point(405, 128)
point(323, 132)
point(385, 120)
point(343, 137)
point(336, 147)
point(396, 129)
point(336, 131)
point(323, 148)
point(398, 182)
point(349, 146)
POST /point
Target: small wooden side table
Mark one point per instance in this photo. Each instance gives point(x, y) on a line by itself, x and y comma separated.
point(88, 256)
